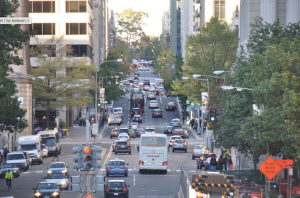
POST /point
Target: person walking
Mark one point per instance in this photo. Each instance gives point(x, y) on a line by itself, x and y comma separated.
point(55, 155)
point(1, 156)
point(208, 162)
point(192, 123)
point(221, 163)
point(229, 162)
point(196, 125)
point(225, 161)
point(5, 154)
point(213, 163)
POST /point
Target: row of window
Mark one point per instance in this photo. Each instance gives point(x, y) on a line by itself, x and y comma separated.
point(71, 28)
point(49, 7)
point(43, 28)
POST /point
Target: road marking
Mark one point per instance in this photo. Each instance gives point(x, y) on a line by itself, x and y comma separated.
point(26, 172)
point(134, 180)
point(166, 123)
point(102, 169)
point(39, 171)
point(160, 100)
point(169, 170)
point(178, 170)
point(130, 169)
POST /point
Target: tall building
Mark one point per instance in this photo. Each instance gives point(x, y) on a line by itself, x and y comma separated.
point(166, 21)
point(287, 11)
point(188, 21)
point(175, 26)
point(112, 31)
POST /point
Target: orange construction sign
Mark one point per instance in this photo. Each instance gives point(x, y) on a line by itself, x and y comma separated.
point(285, 163)
point(89, 195)
point(270, 168)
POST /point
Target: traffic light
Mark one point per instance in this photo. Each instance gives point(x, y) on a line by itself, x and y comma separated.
point(192, 104)
point(96, 157)
point(77, 157)
point(77, 183)
point(87, 158)
point(212, 114)
point(98, 179)
point(98, 103)
point(213, 184)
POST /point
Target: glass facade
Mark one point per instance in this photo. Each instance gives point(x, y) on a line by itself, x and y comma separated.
point(35, 50)
point(78, 29)
point(81, 50)
point(76, 6)
point(41, 6)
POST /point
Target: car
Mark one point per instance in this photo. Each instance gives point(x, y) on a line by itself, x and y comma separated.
point(134, 126)
point(114, 145)
point(124, 136)
point(12, 167)
point(173, 138)
point(114, 133)
point(123, 130)
point(169, 130)
point(116, 188)
point(123, 146)
point(146, 88)
point(154, 71)
point(139, 132)
point(176, 122)
point(170, 107)
point(46, 189)
point(58, 167)
point(179, 132)
point(116, 167)
point(151, 96)
point(136, 111)
point(45, 150)
point(155, 91)
point(202, 159)
point(137, 118)
point(174, 104)
point(186, 134)
point(179, 144)
point(162, 93)
point(146, 82)
point(29, 159)
point(131, 134)
point(136, 77)
point(18, 158)
point(153, 104)
point(150, 130)
point(156, 113)
point(137, 73)
point(60, 179)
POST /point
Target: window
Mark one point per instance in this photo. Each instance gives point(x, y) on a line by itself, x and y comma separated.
point(193, 18)
point(220, 9)
point(43, 28)
point(76, 28)
point(193, 8)
point(237, 11)
point(82, 50)
point(36, 50)
point(41, 6)
point(76, 6)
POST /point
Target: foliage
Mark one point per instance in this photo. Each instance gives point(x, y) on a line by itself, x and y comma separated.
point(67, 79)
point(62, 124)
point(12, 38)
point(178, 66)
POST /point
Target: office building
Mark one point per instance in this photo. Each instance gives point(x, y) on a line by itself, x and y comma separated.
point(175, 26)
point(166, 21)
point(188, 21)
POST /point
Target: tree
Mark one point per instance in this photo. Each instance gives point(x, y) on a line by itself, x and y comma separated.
point(178, 66)
point(130, 24)
point(67, 79)
point(12, 38)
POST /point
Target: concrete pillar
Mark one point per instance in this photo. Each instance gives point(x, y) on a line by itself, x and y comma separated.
point(292, 11)
point(268, 10)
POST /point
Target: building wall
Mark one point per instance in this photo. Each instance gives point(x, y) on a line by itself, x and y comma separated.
point(175, 26)
point(166, 21)
point(188, 21)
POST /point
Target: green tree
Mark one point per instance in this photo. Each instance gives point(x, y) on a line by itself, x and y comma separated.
point(67, 79)
point(12, 38)
point(178, 66)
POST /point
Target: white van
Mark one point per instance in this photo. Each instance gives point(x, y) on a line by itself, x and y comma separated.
point(118, 111)
point(51, 140)
point(33, 145)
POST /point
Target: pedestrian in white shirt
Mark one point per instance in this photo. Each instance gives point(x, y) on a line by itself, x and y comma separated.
point(208, 161)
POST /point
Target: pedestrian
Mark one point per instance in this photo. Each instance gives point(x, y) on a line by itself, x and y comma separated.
point(5, 154)
point(38, 129)
point(183, 118)
point(196, 125)
point(192, 123)
point(208, 162)
point(55, 154)
point(1, 156)
point(225, 162)
point(221, 162)
point(229, 162)
point(61, 132)
point(213, 163)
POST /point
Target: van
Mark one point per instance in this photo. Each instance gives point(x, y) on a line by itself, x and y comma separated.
point(33, 145)
point(118, 111)
point(51, 140)
point(18, 158)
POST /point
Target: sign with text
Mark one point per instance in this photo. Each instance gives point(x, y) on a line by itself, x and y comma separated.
point(285, 163)
point(102, 95)
point(15, 20)
point(270, 168)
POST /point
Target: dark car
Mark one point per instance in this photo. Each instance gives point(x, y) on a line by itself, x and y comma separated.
point(123, 147)
point(123, 130)
point(146, 82)
point(46, 189)
point(169, 130)
point(114, 133)
point(136, 111)
point(200, 161)
point(137, 118)
point(156, 113)
point(116, 167)
point(156, 91)
point(58, 167)
point(174, 104)
point(116, 188)
point(131, 133)
point(170, 107)
point(162, 93)
point(12, 167)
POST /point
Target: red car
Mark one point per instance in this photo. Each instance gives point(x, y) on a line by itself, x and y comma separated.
point(156, 113)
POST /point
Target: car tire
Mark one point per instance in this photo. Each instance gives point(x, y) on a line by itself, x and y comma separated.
point(59, 152)
point(141, 171)
point(173, 150)
point(67, 188)
point(108, 124)
point(200, 167)
point(107, 174)
point(110, 137)
point(130, 153)
point(126, 174)
point(193, 158)
point(185, 150)
point(115, 153)
point(119, 124)
point(164, 171)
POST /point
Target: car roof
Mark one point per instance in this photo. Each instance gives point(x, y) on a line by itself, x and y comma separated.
point(135, 108)
point(153, 101)
point(46, 182)
point(116, 180)
point(176, 136)
point(134, 123)
point(137, 115)
point(123, 128)
point(117, 159)
point(57, 163)
point(15, 152)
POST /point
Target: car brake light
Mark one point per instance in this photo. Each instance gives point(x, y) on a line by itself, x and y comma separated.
point(131, 112)
point(127, 139)
point(202, 158)
point(141, 163)
point(165, 163)
point(107, 189)
point(108, 168)
point(125, 167)
point(129, 146)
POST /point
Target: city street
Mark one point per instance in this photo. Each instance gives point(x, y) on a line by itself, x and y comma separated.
point(151, 184)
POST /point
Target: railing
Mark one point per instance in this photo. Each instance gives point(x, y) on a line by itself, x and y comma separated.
point(197, 13)
point(197, 26)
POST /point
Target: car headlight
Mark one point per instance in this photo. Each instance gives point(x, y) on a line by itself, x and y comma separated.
point(15, 171)
point(37, 194)
point(38, 155)
point(55, 193)
point(63, 182)
point(64, 171)
point(49, 172)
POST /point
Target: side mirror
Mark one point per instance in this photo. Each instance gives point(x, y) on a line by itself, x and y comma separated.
point(33, 188)
point(127, 164)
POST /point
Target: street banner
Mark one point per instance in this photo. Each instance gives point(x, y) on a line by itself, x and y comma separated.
point(204, 103)
point(102, 95)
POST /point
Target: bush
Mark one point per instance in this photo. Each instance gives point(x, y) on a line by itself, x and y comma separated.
point(62, 124)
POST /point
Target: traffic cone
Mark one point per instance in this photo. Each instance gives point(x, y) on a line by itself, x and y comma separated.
point(231, 167)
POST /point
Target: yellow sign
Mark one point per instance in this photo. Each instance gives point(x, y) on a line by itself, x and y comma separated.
point(208, 125)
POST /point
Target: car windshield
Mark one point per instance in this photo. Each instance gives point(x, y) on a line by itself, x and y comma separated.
point(175, 120)
point(28, 147)
point(57, 176)
point(47, 186)
point(116, 163)
point(169, 127)
point(8, 166)
point(200, 147)
point(57, 165)
point(149, 130)
point(237, 181)
point(15, 157)
point(178, 129)
point(115, 185)
point(49, 141)
point(123, 130)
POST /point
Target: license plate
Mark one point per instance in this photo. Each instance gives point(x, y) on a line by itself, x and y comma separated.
point(117, 169)
point(46, 196)
point(116, 193)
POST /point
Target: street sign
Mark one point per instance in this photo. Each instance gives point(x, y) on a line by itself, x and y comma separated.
point(102, 95)
point(285, 163)
point(89, 195)
point(270, 168)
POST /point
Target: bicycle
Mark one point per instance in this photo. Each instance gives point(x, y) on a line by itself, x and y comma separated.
point(8, 181)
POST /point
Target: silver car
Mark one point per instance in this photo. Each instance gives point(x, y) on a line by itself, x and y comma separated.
point(176, 123)
point(60, 179)
point(153, 104)
point(198, 150)
point(179, 144)
point(134, 126)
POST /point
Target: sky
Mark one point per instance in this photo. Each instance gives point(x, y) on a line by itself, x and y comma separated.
point(154, 8)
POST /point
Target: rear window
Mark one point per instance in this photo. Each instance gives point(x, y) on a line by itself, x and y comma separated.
point(179, 141)
point(153, 141)
point(178, 130)
point(121, 143)
point(15, 157)
point(116, 163)
point(200, 147)
point(169, 127)
point(124, 130)
point(116, 185)
point(149, 130)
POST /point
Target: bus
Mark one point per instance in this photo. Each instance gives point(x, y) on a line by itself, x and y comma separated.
point(153, 152)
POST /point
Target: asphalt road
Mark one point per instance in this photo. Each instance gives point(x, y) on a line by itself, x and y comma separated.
point(148, 185)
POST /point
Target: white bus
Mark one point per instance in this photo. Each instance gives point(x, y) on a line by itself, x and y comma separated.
point(153, 152)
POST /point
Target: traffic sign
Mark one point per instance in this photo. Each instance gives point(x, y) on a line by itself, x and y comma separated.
point(270, 168)
point(285, 163)
point(89, 195)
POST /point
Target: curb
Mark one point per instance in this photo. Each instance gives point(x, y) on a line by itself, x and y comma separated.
point(192, 131)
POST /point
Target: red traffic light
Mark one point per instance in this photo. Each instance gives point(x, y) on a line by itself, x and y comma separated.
point(87, 150)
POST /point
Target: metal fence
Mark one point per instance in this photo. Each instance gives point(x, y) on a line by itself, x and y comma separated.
point(184, 184)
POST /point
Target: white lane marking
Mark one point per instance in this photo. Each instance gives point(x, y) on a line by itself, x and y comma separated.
point(26, 172)
point(160, 100)
point(39, 171)
point(166, 123)
point(169, 170)
point(134, 180)
point(178, 170)
point(102, 169)
point(130, 169)
point(134, 167)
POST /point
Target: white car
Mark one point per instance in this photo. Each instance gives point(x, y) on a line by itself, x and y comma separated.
point(45, 150)
point(173, 138)
point(60, 179)
point(153, 104)
point(134, 126)
point(150, 130)
point(123, 136)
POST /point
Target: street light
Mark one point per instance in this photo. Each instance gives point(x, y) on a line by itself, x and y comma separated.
point(221, 72)
point(237, 88)
point(199, 75)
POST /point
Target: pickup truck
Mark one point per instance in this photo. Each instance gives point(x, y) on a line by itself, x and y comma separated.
point(113, 119)
point(179, 132)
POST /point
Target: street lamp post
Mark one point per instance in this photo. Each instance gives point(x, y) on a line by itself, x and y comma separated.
point(237, 88)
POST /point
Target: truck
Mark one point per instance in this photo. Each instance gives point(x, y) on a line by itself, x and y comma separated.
point(51, 140)
point(33, 145)
point(114, 119)
point(137, 100)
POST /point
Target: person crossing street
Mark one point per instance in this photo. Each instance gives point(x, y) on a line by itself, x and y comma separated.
point(55, 155)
